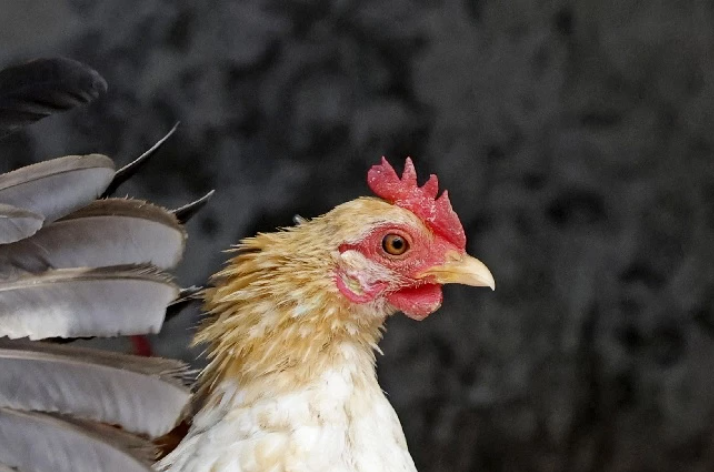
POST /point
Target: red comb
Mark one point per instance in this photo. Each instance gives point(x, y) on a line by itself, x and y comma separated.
point(435, 212)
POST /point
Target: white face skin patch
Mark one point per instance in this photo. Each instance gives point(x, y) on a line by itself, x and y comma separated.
point(362, 275)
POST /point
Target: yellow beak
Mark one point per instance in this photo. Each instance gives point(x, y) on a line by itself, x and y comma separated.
point(461, 269)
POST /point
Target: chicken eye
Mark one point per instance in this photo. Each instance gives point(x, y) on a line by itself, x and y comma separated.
point(394, 244)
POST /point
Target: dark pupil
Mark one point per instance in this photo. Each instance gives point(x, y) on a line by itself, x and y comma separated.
point(394, 244)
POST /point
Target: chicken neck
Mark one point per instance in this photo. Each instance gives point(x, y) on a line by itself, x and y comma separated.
point(277, 319)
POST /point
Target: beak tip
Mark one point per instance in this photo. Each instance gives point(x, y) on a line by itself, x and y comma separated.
point(490, 282)
point(484, 275)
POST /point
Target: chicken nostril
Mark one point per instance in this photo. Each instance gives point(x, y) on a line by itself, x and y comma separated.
point(453, 256)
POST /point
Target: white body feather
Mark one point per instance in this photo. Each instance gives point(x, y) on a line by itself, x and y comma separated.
point(330, 425)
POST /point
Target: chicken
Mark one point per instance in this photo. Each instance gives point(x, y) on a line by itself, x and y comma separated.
point(294, 323)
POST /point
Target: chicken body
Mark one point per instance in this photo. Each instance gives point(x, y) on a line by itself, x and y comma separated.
point(340, 422)
point(291, 385)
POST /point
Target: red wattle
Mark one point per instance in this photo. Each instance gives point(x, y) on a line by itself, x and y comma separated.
point(417, 302)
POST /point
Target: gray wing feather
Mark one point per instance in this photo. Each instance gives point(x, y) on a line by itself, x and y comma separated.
point(44, 443)
point(107, 232)
point(36, 89)
point(112, 301)
point(57, 187)
point(142, 395)
point(73, 267)
point(16, 223)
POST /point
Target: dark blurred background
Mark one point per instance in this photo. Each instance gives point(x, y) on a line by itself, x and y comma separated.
point(575, 138)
